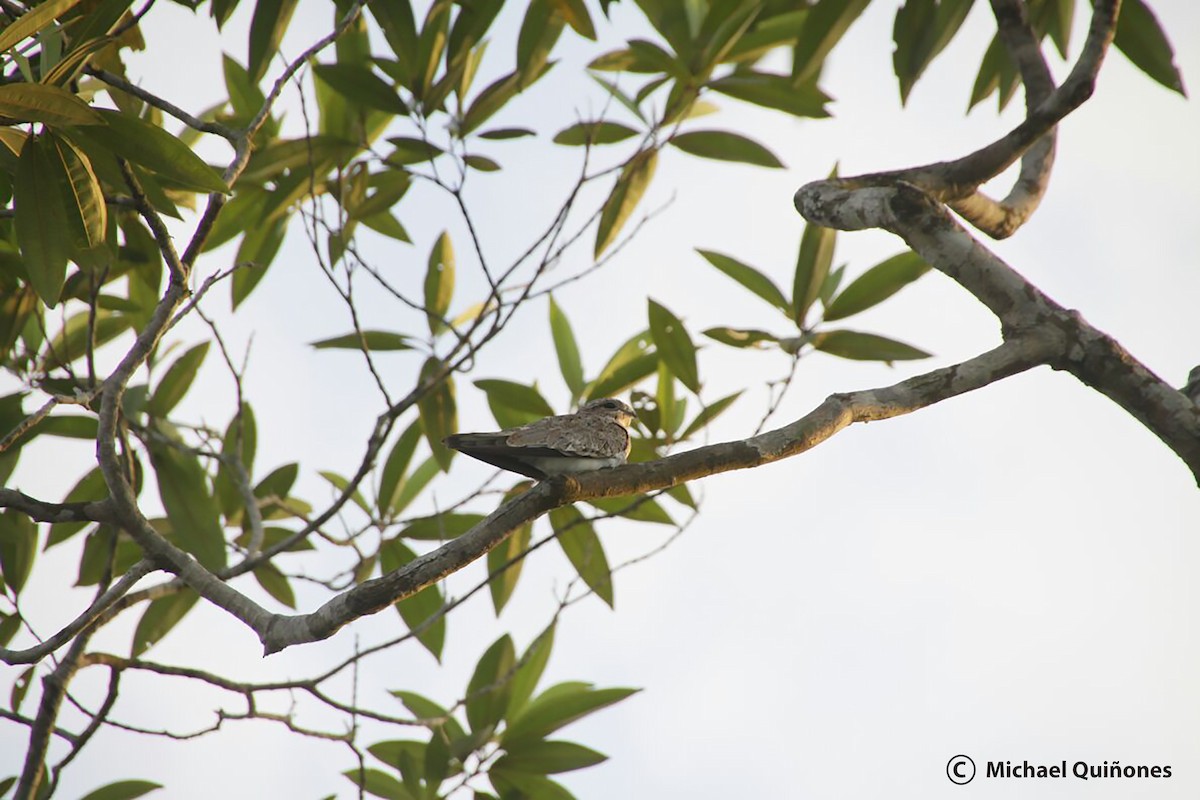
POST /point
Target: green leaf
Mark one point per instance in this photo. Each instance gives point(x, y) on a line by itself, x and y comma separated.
point(576, 15)
point(375, 341)
point(506, 133)
point(674, 346)
point(812, 265)
point(514, 404)
point(997, 73)
point(418, 609)
point(569, 362)
point(51, 105)
point(157, 150)
point(430, 713)
point(42, 227)
point(740, 337)
point(865, 346)
point(84, 200)
point(774, 91)
point(921, 31)
point(378, 783)
point(177, 381)
point(267, 26)
point(876, 285)
point(18, 548)
point(439, 283)
point(749, 277)
point(342, 483)
point(824, 27)
point(33, 21)
point(582, 547)
point(512, 784)
point(159, 618)
point(491, 100)
point(480, 163)
point(620, 97)
point(416, 482)
point(502, 584)
point(245, 97)
point(275, 584)
point(592, 133)
point(307, 154)
point(548, 758)
point(709, 413)
point(540, 31)
point(529, 672)
point(557, 707)
point(627, 191)
point(258, 249)
point(639, 508)
point(123, 790)
point(726, 146)
point(356, 82)
point(1140, 37)
point(439, 411)
point(440, 527)
point(396, 465)
point(193, 512)
point(490, 685)
point(632, 362)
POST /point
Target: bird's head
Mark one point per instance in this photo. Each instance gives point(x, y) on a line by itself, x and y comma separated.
point(620, 411)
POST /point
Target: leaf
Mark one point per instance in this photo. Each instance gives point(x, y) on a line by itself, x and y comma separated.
point(865, 347)
point(576, 15)
point(33, 21)
point(163, 614)
point(18, 548)
point(640, 508)
point(627, 191)
point(997, 73)
point(177, 381)
point(307, 154)
point(84, 200)
point(41, 220)
point(481, 163)
point(548, 758)
point(275, 584)
point(514, 404)
point(674, 346)
point(418, 609)
point(359, 84)
point(417, 481)
point(491, 100)
point(921, 31)
point(501, 584)
point(267, 26)
point(512, 784)
point(540, 31)
point(583, 549)
point(749, 277)
point(490, 684)
point(812, 265)
point(51, 105)
point(193, 512)
point(378, 783)
point(441, 527)
point(632, 362)
point(709, 413)
point(396, 465)
point(726, 146)
point(157, 150)
point(591, 133)
point(774, 91)
point(1141, 38)
point(439, 411)
point(123, 790)
point(439, 283)
point(506, 133)
point(824, 27)
point(876, 285)
point(740, 337)
point(569, 362)
point(529, 672)
point(375, 341)
point(558, 706)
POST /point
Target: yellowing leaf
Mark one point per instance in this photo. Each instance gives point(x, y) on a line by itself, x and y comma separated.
point(52, 105)
point(628, 190)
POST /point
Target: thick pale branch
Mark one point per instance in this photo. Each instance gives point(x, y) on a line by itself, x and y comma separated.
point(839, 411)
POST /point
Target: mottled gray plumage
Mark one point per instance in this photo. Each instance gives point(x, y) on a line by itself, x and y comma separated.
point(594, 437)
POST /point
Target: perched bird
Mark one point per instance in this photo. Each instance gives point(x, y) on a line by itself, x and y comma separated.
point(594, 437)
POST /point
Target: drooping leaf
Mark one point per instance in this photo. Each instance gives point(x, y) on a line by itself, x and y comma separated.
point(439, 283)
point(921, 31)
point(396, 465)
point(640, 508)
point(275, 583)
point(997, 73)
point(1140, 37)
point(503, 583)
point(439, 411)
point(674, 346)
point(726, 146)
point(751, 278)
point(812, 265)
point(267, 26)
point(865, 346)
point(193, 512)
point(627, 191)
point(83, 198)
point(569, 362)
point(356, 82)
point(583, 549)
point(876, 285)
point(43, 229)
point(18, 548)
point(826, 23)
point(417, 610)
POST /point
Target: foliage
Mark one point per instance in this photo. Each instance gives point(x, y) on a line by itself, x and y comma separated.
point(91, 281)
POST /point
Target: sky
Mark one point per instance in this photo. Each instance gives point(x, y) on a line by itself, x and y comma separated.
point(1006, 575)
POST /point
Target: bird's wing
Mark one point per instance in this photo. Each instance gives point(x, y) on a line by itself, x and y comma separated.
point(586, 435)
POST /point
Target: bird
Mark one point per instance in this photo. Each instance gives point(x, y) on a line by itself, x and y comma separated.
point(594, 437)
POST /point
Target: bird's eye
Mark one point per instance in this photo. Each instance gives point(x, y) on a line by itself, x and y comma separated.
point(611, 404)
